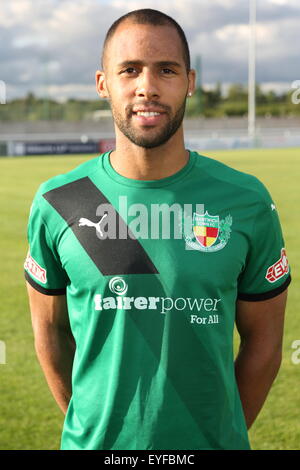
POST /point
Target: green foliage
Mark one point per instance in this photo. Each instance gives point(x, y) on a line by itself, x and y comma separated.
point(211, 103)
point(237, 93)
point(207, 103)
point(32, 108)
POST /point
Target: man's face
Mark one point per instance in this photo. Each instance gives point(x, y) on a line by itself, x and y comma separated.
point(146, 82)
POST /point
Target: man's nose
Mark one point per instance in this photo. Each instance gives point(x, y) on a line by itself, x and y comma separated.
point(147, 86)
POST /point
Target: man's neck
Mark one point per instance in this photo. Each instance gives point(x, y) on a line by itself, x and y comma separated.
point(136, 162)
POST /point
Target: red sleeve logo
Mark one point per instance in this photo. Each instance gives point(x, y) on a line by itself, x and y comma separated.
point(279, 269)
point(35, 269)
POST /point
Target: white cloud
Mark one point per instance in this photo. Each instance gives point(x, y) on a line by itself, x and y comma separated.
point(62, 39)
point(281, 2)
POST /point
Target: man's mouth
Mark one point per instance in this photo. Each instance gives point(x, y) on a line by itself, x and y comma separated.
point(147, 113)
point(148, 118)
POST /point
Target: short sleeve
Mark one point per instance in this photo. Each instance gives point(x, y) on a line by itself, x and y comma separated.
point(266, 273)
point(43, 269)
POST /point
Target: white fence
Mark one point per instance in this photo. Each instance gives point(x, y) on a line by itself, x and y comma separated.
point(200, 134)
point(274, 138)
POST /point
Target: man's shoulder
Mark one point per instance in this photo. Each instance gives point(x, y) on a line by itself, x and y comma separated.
point(83, 170)
point(240, 180)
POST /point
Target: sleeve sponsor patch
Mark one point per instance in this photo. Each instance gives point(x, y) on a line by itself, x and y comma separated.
point(33, 268)
point(278, 269)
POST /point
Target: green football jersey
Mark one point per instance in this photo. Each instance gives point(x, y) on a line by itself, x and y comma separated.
point(152, 271)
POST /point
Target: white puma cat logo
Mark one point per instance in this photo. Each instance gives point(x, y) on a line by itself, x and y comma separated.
point(89, 223)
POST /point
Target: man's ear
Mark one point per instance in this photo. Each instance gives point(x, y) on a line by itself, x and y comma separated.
point(101, 84)
point(192, 81)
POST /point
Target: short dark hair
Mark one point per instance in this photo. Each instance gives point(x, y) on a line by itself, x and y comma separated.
point(152, 17)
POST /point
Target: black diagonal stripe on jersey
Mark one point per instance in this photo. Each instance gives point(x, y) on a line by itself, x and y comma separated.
point(80, 199)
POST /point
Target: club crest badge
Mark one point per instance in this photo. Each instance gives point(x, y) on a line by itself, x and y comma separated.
point(208, 233)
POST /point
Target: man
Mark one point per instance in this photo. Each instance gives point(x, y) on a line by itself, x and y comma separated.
point(133, 323)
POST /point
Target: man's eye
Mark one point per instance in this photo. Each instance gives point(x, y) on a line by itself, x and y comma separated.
point(168, 71)
point(129, 70)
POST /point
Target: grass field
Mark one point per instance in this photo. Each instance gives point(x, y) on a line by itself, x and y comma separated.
point(29, 418)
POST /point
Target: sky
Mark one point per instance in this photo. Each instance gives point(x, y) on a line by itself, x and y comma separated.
point(53, 47)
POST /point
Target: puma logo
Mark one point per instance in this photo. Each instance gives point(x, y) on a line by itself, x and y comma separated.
point(89, 223)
